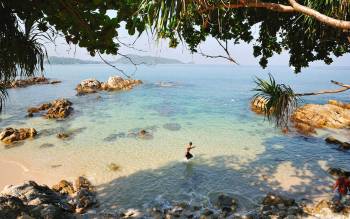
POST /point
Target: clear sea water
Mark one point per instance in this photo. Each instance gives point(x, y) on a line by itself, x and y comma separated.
point(237, 152)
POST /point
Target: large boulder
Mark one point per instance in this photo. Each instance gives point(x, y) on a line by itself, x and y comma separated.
point(113, 83)
point(118, 83)
point(328, 115)
point(88, 86)
point(9, 135)
point(59, 109)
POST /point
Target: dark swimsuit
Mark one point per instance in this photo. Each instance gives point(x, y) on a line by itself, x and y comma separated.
point(188, 155)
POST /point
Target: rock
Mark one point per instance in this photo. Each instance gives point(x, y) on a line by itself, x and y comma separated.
point(85, 199)
point(60, 108)
point(10, 135)
point(172, 126)
point(81, 182)
point(113, 167)
point(91, 83)
point(33, 194)
point(323, 204)
point(88, 86)
point(322, 116)
point(339, 103)
point(11, 207)
point(104, 86)
point(27, 82)
point(33, 110)
point(304, 129)
point(44, 106)
point(118, 83)
point(64, 187)
point(47, 145)
point(273, 199)
point(258, 104)
point(226, 203)
point(62, 135)
point(57, 109)
point(207, 212)
point(55, 82)
point(338, 172)
point(114, 83)
point(342, 145)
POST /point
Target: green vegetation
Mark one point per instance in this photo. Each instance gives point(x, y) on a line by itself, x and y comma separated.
point(309, 30)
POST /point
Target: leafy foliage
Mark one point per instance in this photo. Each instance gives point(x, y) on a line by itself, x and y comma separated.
point(25, 24)
point(280, 100)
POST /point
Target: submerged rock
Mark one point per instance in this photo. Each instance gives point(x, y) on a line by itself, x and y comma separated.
point(172, 126)
point(62, 135)
point(10, 135)
point(47, 145)
point(226, 203)
point(113, 167)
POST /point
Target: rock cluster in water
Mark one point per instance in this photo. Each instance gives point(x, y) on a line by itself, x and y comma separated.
point(31, 200)
point(10, 135)
point(57, 109)
point(114, 83)
point(29, 82)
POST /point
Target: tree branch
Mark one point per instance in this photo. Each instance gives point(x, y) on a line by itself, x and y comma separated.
point(340, 24)
point(292, 8)
point(345, 87)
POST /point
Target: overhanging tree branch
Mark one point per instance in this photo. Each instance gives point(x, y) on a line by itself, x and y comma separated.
point(294, 7)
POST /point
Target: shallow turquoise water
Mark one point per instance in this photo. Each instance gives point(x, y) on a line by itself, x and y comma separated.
point(208, 104)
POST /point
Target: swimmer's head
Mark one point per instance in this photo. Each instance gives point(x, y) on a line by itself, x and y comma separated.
point(190, 143)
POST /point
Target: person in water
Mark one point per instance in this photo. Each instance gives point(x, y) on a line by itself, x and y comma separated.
point(341, 189)
point(189, 147)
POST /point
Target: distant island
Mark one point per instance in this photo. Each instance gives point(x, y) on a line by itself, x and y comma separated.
point(136, 59)
point(55, 60)
point(146, 60)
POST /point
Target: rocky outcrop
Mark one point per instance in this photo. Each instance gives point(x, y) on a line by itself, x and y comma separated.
point(257, 105)
point(29, 82)
point(342, 144)
point(57, 109)
point(10, 135)
point(37, 201)
point(334, 114)
point(308, 118)
point(114, 83)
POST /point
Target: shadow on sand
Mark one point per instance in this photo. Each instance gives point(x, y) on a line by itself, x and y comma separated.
point(285, 167)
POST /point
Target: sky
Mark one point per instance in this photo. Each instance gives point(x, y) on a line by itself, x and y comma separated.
point(146, 45)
